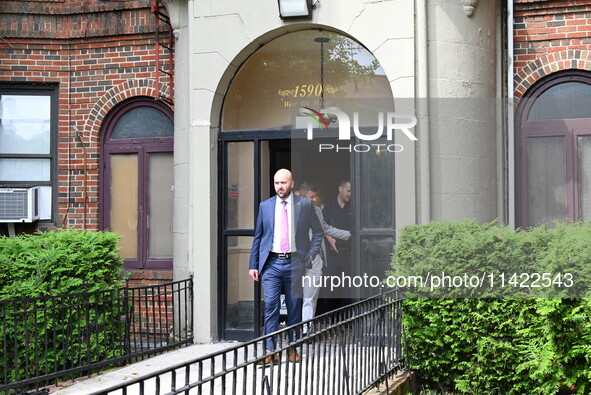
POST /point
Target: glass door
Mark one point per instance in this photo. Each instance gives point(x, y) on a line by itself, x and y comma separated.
point(238, 196)
point(373, 208)
point(247, 163)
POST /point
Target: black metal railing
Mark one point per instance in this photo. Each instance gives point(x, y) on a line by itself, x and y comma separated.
point(345, 352)
point(61, 337)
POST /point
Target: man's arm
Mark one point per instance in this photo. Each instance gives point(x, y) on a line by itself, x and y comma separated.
point(331, 230)
point(316, 227)
point(253, 264)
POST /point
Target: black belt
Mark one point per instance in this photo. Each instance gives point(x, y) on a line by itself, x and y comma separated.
point(281, 255)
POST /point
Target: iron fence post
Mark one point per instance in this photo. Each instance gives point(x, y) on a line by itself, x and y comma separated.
point(127, 321)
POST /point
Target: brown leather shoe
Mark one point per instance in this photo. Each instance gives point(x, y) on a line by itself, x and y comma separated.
point(293, 356)
point(271, 358)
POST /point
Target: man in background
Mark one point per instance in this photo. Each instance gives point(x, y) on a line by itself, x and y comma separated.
point(337, 213)
point(313, 273)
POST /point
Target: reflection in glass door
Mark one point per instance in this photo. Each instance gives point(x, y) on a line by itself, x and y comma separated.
point(239, 195)
point(373, 202)
point(240, 296)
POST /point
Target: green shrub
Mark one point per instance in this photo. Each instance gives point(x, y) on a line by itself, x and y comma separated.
point(492, 344)
point(51, 264)
point(57, 263)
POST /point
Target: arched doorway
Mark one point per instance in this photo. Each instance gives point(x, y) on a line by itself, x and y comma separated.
point(554, 152)
point(312, 68)
point(137, 181)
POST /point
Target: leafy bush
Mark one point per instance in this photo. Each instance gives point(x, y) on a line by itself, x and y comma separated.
point(492, 345)
point(57, 263)
point(42, 334)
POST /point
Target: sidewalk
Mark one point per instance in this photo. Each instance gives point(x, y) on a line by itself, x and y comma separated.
point(117, 376)
point(323, 369)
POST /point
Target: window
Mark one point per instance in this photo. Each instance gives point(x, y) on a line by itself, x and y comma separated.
point(28, 141)
point(554, 179)
point(137, 181)
point(314, 68)
point(26, 136)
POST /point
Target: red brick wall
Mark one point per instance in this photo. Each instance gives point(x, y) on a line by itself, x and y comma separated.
point(550, 36)
point(153, 314)
point(139, 278)
point(99, 53)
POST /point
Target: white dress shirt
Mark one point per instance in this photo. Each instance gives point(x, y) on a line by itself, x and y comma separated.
point(277, 231)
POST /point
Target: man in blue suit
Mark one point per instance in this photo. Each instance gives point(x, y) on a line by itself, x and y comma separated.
point(281, 248)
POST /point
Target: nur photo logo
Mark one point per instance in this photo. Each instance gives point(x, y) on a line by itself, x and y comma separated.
point(316, 116)
point(388, 124)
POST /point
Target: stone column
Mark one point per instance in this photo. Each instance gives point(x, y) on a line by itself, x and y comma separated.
point(462, 52)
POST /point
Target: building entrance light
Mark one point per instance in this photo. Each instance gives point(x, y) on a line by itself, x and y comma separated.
point(289, 9)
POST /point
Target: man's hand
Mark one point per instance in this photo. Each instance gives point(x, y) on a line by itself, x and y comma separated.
point(254, 274)
point(309, 264)
point(332, 242)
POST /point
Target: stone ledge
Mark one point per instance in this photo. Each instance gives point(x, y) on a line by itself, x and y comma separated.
point(143, 276)
point(403, 383)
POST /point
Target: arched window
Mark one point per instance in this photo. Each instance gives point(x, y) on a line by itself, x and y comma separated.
point(554, 150)
point(314, 68)
point(137, 181)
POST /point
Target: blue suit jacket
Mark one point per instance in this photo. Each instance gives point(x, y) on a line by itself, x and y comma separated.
point(304, 218)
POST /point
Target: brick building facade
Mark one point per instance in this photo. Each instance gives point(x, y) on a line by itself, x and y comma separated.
point(550, 36)
point(552, 85)
point(92, 56)
point(99, 56)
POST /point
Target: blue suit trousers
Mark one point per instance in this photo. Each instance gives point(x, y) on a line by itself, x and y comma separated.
point(278, 277)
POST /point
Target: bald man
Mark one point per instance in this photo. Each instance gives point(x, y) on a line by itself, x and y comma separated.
point(280, 249)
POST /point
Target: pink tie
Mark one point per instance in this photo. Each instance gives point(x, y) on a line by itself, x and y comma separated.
point(284, 230)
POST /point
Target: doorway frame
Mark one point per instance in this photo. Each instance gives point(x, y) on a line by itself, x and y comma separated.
point(225, 137)
point(257, 137)
point(142, 147)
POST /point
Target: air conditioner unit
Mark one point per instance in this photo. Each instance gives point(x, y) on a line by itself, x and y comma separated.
point(19, 204)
